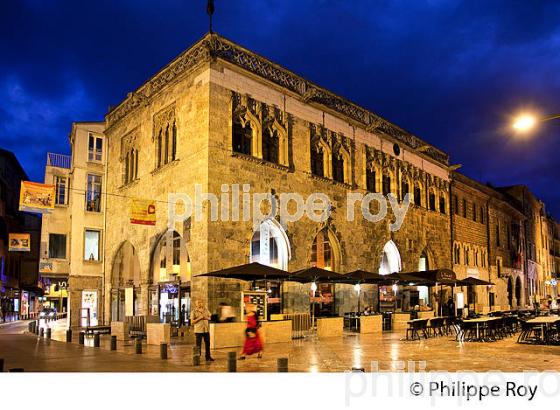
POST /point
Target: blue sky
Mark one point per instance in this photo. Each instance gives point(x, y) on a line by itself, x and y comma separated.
point(451, 72)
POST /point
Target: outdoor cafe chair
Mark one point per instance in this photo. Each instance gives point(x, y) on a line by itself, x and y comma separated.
point(530, 333)
point(435, 327)
point(416, 328)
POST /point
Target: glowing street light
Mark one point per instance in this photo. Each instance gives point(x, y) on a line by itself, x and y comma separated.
point(526, 122)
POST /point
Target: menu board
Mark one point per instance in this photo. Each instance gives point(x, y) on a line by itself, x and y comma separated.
point(256, 298)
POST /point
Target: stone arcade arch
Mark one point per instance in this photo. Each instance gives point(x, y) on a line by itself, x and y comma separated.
point(170, 276)
point(125, 283)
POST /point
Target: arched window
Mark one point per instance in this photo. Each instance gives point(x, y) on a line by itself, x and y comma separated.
point(390, 259)
point(405, 188)
point(159, 149)
point(126, 170)
point(423, 262)
point(270, 146)
point(242, 138)
point(442, 204)
point(386, 184)
point(370, 180)
point(432, 201)
point(270, 245)
point(338, 167)
point(325, 251)
point(317, 161)
point(174, 143)
point(417, 195)
point(467, 261)
point(457, 254)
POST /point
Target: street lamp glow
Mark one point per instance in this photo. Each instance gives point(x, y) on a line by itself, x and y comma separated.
point(524, 122)
point(313, 287)
point(357, 287)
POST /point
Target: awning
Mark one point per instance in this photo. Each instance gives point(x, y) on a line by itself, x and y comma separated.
point(34, 289)
point(473, 282)
point(249, 272)
point(407, 279)
point(439, 276)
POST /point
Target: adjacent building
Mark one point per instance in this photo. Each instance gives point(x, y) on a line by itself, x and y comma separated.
point(72, 260)
point(19, 290)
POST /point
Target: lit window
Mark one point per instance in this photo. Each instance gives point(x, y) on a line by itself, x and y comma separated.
point(61, 190)
point(95, 148)
point(93, 193)
point(91, 245)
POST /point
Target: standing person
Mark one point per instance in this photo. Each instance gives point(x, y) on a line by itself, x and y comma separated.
point(253, 343)
point(200, 317)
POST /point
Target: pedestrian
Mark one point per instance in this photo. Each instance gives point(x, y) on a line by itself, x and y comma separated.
point(225, 313)
point(253, 343)
point(200, 317)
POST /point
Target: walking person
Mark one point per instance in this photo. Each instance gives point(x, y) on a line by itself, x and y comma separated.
point(253, 343)
point(200, 317)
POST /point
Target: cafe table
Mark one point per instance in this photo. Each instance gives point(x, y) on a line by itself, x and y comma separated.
point(481, 321)
point(544, 322)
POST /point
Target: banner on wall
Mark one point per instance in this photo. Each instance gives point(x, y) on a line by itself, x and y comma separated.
point(143, 212)
point(35, 197)
point(19, 242)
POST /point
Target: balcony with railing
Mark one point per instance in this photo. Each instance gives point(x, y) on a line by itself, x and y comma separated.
point(59, 160)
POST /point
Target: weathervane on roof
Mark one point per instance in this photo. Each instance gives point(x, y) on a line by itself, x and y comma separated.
point(210, 12)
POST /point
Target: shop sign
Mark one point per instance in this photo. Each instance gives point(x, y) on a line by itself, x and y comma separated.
point(258, 299)
point(45, 266)
point(142, 212)
point(35, 197)
point(19, 242)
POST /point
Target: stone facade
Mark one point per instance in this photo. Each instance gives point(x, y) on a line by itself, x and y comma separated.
point(208, 100)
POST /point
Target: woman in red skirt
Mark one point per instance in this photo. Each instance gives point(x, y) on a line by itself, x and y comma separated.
point(253, 343)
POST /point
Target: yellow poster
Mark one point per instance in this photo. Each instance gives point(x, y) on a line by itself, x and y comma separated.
point(19, 242)
point(142, 212)
point(35, 197)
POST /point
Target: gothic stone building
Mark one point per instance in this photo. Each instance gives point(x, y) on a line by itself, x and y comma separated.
point(220, 115)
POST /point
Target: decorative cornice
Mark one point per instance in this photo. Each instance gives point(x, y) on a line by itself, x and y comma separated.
point(212, 46)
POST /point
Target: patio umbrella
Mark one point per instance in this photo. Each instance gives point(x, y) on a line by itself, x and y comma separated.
point(315, 274)
point(249, 272)
point(362, 276)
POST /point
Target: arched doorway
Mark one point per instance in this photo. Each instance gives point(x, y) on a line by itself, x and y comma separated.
point(510, 292)
point(325, 254)
point(169, 294)
point(390, 263)
point(270, 246)
point(125, 283)
point(390, 259)
point(518, 291)
point(423, 296)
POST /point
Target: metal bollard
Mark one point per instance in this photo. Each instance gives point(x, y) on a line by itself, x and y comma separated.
point(113, 342)
point(196, 356)
point(232, 362)
point(282, 364)
point(42, 332)
point(30, 327)
point(37, 327)
point(1, 365)
point(96, 340)
point(81, 338)
point(16, 370)
point(49, 334)
point(69, 336)
point(163, 351)
point(138, 346)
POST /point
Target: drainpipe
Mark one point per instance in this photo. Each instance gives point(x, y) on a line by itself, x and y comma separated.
point(104, 233)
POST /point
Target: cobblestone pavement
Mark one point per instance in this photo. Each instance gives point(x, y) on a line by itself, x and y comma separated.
point(20, 349)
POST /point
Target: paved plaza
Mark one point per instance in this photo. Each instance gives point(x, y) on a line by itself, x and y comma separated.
point(20, 349)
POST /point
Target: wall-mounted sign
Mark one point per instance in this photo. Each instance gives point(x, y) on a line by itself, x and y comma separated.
point(142, 212)
point(256, 298)
point(19, 242)
point(35, 197)
point(45, 266)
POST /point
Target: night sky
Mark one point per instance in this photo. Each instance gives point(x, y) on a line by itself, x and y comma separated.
point(450, 72)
